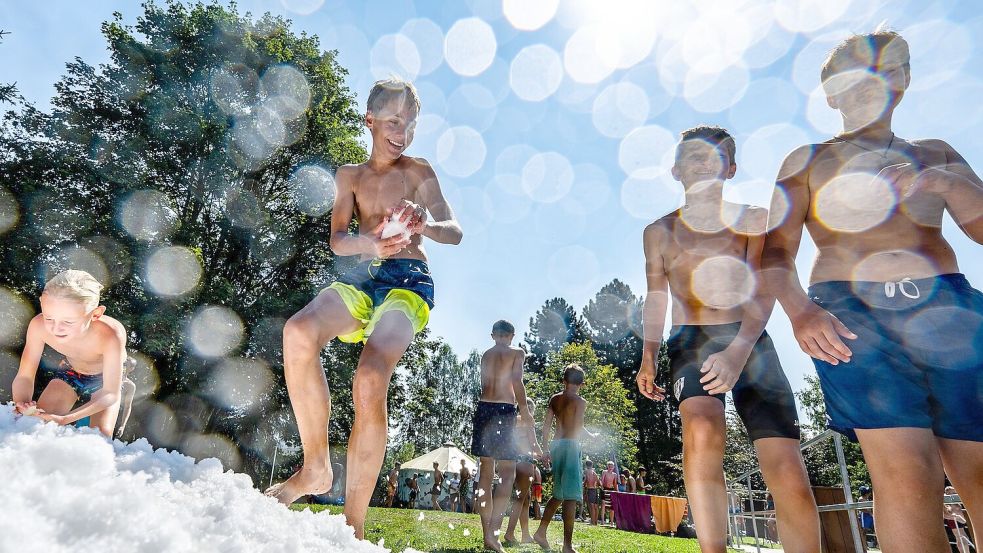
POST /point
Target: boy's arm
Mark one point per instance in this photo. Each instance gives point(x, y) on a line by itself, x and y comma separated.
point(343, 242)
point(722, 369)
point(816, 330)
point(957, 184)
point(583, 419)
point(114, 352)
point(548, 428)
point(519, 388)
point(653, 312)
point(128, 390)
point(444, 227)
point(23, 385)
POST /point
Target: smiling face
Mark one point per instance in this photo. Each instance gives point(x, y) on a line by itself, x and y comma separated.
point(699, 161)
point(392, 126)
point(66, 319)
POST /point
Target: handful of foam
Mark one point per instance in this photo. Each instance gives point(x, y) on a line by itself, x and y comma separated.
point(31, 410)
point(395, 227)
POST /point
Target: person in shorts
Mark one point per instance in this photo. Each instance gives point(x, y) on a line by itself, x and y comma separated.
point(707, 256)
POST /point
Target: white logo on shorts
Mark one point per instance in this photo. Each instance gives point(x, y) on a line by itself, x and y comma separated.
point(677, 387)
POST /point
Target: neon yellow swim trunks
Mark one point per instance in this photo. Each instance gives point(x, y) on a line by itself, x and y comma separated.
point(378, 286)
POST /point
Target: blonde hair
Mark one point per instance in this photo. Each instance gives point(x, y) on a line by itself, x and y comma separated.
point(863, 51)
point(75, 285)
point(387, 89)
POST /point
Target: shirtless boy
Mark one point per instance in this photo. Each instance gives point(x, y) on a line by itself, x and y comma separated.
point(907, 381)
point(567, 409)
point(494, 426)
point(438, 482)
point(73, 324)
point(592, 488)
point(384, 301)
point(609, 483)
point(707, 255)
point(392, 482)
point(525, 473)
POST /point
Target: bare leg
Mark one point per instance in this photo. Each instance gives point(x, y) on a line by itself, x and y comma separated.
point(503, 496)
point(105, 420)
point(540, 536)
point(367, 445)
point(58, 398)
point(963, 461)
point(569, 510)
point(703, 471)
point(304, 335)
point(906, 472)
point(520, 505)
point(795, 506)
point(486, 504)
point(593, 513)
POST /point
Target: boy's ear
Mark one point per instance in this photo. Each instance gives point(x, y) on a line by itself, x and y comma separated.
point(732, 171)
point(675, 172)
point(831, 102)
point(98, 312)
point(369, 119)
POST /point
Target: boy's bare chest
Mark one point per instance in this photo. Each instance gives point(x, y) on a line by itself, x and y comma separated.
point(689, 250)
point(83, 357)
point(375, 193)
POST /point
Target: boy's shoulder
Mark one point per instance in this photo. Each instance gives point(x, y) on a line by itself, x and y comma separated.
point(657, 231)
point(747, 219)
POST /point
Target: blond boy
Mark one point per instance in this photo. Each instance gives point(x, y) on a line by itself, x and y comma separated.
point(73, 324)
point(908, 380)
point(384, 301)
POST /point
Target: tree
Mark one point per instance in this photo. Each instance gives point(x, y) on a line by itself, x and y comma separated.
point(610, 412)
point(613, 318)
point(554, 325)
point(192, 174)
point(7, 91)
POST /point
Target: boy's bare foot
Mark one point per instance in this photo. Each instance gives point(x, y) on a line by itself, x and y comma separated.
point(303, 482)
point(527, 539)
point(510, 541)
point(494, 546)
point(542, 541)
point(569, 550)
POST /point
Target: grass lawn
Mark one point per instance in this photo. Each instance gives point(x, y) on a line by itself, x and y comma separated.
point(459, 533)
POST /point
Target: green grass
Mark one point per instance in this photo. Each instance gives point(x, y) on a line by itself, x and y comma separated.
point(401, 529)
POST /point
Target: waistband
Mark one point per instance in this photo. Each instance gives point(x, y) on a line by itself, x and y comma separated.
point(498, 406)
point(712, 329)
point(402, 262)
point(904, 288)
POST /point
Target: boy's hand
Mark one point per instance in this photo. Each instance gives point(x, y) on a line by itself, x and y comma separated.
point(26, 407)
point(722, 369)
point(57, 419)
point(387, 247)
point(818, 333)
point(646, 382)
point(412, 215)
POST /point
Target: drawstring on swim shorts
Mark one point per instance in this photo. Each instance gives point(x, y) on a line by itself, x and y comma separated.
point(890, 287)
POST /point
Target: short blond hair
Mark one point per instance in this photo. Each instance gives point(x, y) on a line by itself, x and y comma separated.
point(863, 51)
point(385, 90)
point(75, 285)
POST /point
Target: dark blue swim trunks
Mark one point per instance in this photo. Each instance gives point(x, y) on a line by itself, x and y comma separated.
point(84, 384)
point(377, 277)
point(917, 360)
point(762, 395)
point(494, 426)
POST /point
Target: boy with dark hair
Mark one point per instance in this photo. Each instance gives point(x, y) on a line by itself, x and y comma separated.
point(908, 382)
point(494, 422)
point(707, 255)
point(567, 409)
point(383, 301)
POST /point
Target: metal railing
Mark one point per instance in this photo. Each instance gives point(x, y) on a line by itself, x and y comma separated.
point(850, 505)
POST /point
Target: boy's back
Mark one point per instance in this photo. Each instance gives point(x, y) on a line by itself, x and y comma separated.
point(568, 412)
point(498, 366)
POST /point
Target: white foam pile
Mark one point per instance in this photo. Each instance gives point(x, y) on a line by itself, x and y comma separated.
point(64, 490)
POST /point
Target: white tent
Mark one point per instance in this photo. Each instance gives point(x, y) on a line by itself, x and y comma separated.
point(448, 458)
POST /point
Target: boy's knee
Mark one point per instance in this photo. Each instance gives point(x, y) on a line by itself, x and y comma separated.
point(299, 330)
point(703, 430)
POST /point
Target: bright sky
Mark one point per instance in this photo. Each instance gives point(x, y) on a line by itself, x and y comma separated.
point(551, 126)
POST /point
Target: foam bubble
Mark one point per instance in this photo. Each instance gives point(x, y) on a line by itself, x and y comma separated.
point(807, 16)
point(15, 314)
point(287, 90)
point(527, 15)
point(312, 189)
point(854, 202)
point(723, 282)
point(547, 177)
point(651, 198)
point(619, 109)
point(213, 446)
point(461, 151)
point(647, 152)
point(395, 54)
point(215, 331)
point(590, 191)
point(761, 155)
point(470, 46)
point(9, 210)
point(536, 72)
point(83, 259)
point(233, 88)
point(428, 38)
point(717, 91)
point(148, 215)
point(240, 384)
point(302, 7)
point(173, 271)
point(590, 55)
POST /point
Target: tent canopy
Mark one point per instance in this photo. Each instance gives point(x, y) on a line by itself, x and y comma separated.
point(448, 457)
